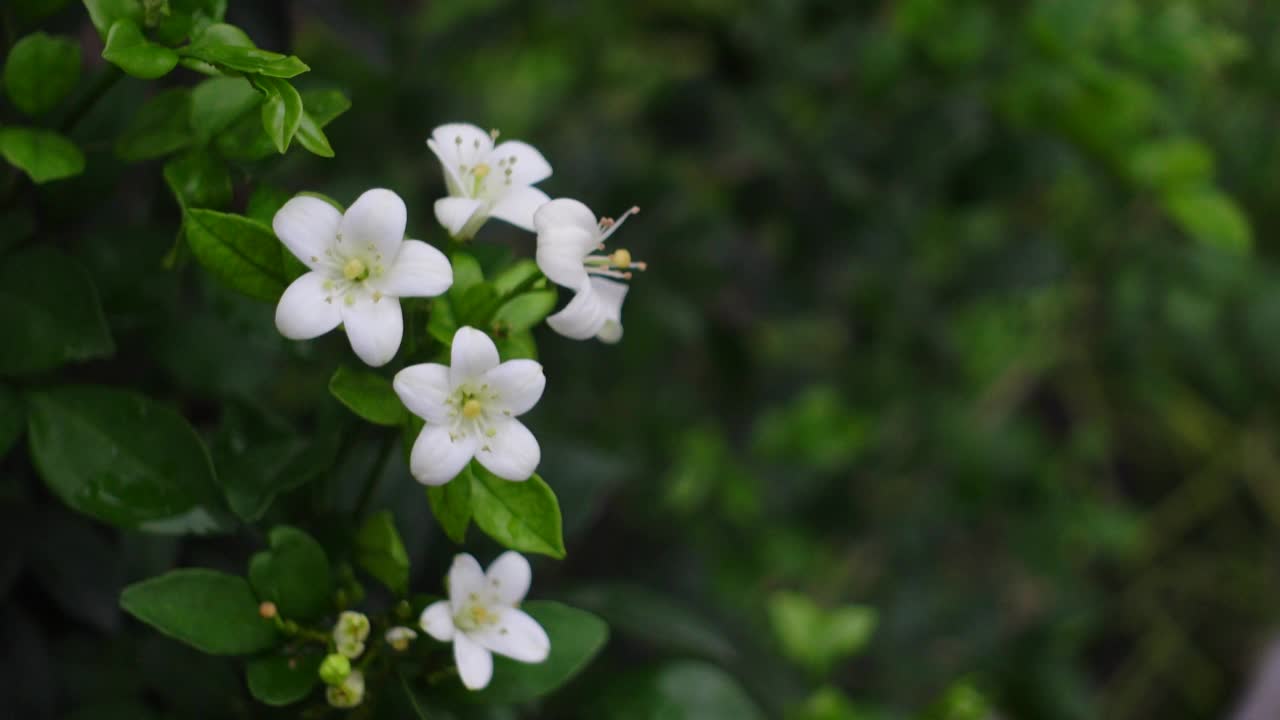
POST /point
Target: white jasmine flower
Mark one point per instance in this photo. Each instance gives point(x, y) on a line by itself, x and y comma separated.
point(361, 265)
point(347, 694)
point(482, 616)
point(486, 181)
point(470, 409)
point(350, 632)
point(570, 241)
point(399, 637)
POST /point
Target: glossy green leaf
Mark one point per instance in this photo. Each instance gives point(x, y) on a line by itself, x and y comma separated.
point(816, 637)
point(325, 105)
point(1211, 217)
point(13, 417)
point(43, 155)
point(311, 137)
point(160, 127)
point(40, 71)
point(522, 516)
point(517, 346)
point(128, 49)
point(124, 459)
point(213, 612)
point(218, 102)
point(51, 312)
point(280, 680)
point(520, 273)
point(294, 574)
point(380, 552)
point(466, 273)
point(451, 505)
point(104, 13)
point(281, 112)
point(524, 311)
point(243, 253)
point(199, 179)
point(368, 395)
point(258, 456)
point(576, 637)
point(212, 47)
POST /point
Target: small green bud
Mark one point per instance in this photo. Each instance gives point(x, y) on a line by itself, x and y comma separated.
point(334, 669)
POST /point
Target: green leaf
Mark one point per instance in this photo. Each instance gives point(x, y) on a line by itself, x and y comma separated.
point(1210, 217)
point(282, 111)
point(258, 456)
point(293, 574)
point(50, 312)
point(381, 553)
point(451, 505)
point(368, 395)
point(576, 637)
point(441, 324)
point(213, 47)
point(218, 102)
point(514, 276)
point(279, 680)
point(466, 273)
point(12, 419)
point(690, 690)
point(124, 459)
point(475, 306)
point(213, 612)
point(243, 253)
point(517, 346)
point(128, 49)
point(159, 128)
point(264, 202)
point(104, 13)
point(1168, 164)
point(311, 137)
point(634, 610)
point(43, 155)
point(522, 516)
point(199, 179)
point(815, 637)
point(325, 105)
point(40, 71)
point(522, 312)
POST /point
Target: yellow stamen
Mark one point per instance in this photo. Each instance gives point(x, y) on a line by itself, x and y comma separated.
point(480, 171)
point(355, 270)
point(471, 409)
point(621, 259)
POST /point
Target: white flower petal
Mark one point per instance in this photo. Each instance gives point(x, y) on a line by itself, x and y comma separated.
point(437, 620)
point(565, 213)
point(419, 271)
point(308, 226)
point(458, 144)
point(509, 577)
point(473, 355)
point(375, 224)
point(611, 295)
point(437, 457)
point(582, 318)
point(610, 332)
point(374, 327)
point(466, 578)
point(512, 453)
point(518, 385)
point(453, 213)
point(561, 253)
point(528, 167)
point(424, 389)
point(517, 636)
point(475, 664)
point(305, 310)
point(518, 205)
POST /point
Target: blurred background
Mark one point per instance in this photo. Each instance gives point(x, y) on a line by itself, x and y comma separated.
point(949, 391)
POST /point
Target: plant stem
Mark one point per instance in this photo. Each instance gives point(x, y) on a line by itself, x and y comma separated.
point(375, 474)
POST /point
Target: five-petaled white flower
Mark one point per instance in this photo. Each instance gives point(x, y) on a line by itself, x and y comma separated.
point(361, 265)
point(470, 409)
point(482, 617)
point(569, 242)
point(486, 181)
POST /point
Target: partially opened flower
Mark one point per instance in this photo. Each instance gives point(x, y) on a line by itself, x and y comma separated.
point(570, 253)
point(350, 632)
point(470, 409)
point(482, 617)
point(347, 694)
point(486, 181)
point(361, 265)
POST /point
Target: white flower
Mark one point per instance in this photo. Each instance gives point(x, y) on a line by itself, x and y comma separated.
point(482, 617)
point(569, 241)
point(361, 265)
point(349, 693)
point(399, 637)
point(470, 409)
point(350, 632)
point(486, 181)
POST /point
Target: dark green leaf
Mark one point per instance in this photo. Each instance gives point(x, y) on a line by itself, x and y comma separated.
point(51, 313)
point(123, 459)
point(294, 574)
point(40, 71)
point(368, 395)
point(159, 128)
point(129, 49)
point(522, 312)
point(258, 456)
point(1211, 217)
point(634, 610)
point(279, 680)
point(241, 252)
point(381, 553)
point(522, 516)
point(218, 102)
point(211, 611)
point(687, 690)
point(43, 155)
point(451, 505)
point(13, 417)
point(576, 637)
point(199, 179)
point(282, 111)
point(264, 202)
point(104, 13)
point(325, 105)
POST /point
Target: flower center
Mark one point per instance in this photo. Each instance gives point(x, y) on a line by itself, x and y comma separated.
point(474, 616)
point(471, 409)
point(355, 270)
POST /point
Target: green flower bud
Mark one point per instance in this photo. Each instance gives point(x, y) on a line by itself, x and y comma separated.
point(335, 669)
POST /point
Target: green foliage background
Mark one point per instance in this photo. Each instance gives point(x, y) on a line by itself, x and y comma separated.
point(963, 311)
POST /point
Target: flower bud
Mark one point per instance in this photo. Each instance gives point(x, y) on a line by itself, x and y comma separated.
point(267, 610)
point(399, 637)
point(334, 669)
point(348, 694)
